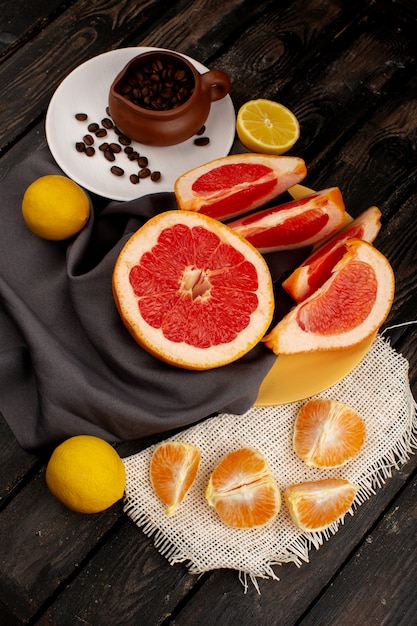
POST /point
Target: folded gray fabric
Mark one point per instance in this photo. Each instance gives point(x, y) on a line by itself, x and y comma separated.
point(68, 365)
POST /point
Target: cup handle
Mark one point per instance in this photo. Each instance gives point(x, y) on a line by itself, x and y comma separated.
point(216, 84)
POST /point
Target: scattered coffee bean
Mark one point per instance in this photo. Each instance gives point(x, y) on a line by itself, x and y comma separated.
point(114, 147)
point(132, 156)
point(108, 111)
point(128, 149)
point(143, 161)
point(155, 176)
point(101, 132)
point(144, 172)
point(88, 139)
point(81, 117)
point(202, 141)
point(103, 147)
point(93, 127)
point(125, 141)
point(117, 171)
point(201, 131)
point(107, 123)
point(90, 151)
point(80, 146)
point(134, 179)
point(109, 155)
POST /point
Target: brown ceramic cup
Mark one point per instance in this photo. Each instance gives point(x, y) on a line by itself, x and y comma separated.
point(179, 121)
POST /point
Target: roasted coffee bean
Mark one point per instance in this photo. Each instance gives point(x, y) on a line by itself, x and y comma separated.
point(144, 172)
point(101, 132)
point(109, 155)
point(80, 146)
point(128, 149)
point(132, 156)
point(108, 111)
point(93, 127)
point(143, 161)
point(125, 141)
point(88, 139)
point(134, 179)
point(201, 131)
point(90, 151)
point(117, 171)
point(155, 176)
point(103, 147)
point(114, 147)
point(81, 117)
point(202, 141)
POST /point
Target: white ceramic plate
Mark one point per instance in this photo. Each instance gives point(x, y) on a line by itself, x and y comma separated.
point(85, 90)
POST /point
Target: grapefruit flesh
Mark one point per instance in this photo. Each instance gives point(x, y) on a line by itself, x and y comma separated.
point(235, 184)
point(243, 491)
point(191, 291)
point(350, 306)
point(317, 268)
point(294, 224)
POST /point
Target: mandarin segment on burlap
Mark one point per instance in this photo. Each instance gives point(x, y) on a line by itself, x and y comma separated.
point(378, 388)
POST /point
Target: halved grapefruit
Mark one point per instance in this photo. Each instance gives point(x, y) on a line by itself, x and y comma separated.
point(350, 306)
point(235, 184)
point(191, 291)
point(295, 224)
point(318, 267)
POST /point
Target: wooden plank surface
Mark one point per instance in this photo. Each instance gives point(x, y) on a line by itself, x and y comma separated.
point(348, 71)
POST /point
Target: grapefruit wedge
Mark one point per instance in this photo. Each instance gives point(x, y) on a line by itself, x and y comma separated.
point(295, 224)
point(318, 267)
point(191, 291)
point(350, 306)
point(235, 184)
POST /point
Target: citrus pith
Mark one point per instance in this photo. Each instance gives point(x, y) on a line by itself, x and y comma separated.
point(191, 291)
point(266, 126)
point(86, 474)
point(173, 469)
point(55, 207)
point(243, 491)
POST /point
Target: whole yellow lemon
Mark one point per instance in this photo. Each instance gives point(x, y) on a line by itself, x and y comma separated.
point(55, 207)
point(86, 474)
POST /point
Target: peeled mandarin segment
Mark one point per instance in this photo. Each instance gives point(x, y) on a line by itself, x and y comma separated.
point(192, 292)
point(266, 126)
point(350, 306)
point(173, 470)
point(327, 433)
point(295, 224)
point(317, 268)
point(315, 505)
point(236, 184)
point(243, 491)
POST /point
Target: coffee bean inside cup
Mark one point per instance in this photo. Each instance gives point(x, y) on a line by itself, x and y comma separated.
point(158, 85)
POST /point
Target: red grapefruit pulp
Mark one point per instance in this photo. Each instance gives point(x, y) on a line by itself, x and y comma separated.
point(295, 224)
point(237, 183)
point(350, 306)
point(191, 291)
point(318, 267)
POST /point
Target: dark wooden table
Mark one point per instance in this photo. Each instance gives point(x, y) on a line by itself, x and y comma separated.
point(348, 69)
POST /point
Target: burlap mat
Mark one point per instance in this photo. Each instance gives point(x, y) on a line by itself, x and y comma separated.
point(377, 388)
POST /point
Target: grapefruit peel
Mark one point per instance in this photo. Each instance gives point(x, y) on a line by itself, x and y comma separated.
point(349, 307)
point(295, 224)
point(236, 184)
point(191, 291)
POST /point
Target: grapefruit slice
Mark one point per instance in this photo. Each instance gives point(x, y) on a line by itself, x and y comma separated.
point(235, 184)
point(318, 267)
point(314, 505)
point(327, 433)
point(173, 469)
point(350, 306)
point(243, 491)
point(191, 291)
point(295, 224)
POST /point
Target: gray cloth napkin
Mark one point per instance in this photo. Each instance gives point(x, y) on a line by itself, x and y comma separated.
point(68, 365)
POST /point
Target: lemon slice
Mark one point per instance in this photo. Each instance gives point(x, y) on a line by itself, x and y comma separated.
point(267, 127)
